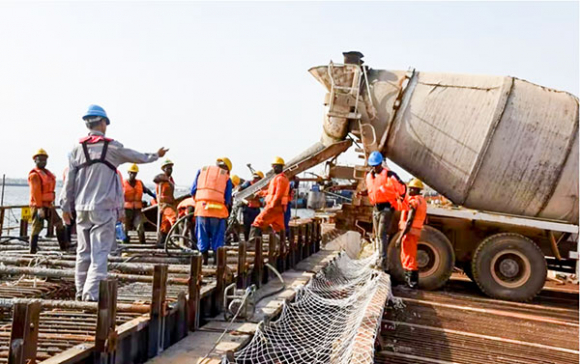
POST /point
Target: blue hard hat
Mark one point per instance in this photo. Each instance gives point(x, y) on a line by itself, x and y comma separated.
point(96, 110)
point(375, 159)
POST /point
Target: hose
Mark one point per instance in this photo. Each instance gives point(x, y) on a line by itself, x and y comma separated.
point(281, 281)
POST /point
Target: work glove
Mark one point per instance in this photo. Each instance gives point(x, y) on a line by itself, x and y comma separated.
point(41, 213)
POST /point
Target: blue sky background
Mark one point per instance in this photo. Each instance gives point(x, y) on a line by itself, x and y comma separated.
point(213, 79)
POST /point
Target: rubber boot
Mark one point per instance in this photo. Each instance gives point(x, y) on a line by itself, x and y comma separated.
point(61, 237)
point(255, 232)
point(415, 279)
point(161, 240)
point(205, 256)
point(33, 244)
point(141, 235)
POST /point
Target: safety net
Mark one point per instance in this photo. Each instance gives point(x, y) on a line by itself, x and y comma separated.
point(333, 319)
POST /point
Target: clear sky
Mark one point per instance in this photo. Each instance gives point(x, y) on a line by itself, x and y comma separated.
point(230, 79)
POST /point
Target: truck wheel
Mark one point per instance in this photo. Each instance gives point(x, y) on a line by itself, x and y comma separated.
point(435, 257)
point(509, 266)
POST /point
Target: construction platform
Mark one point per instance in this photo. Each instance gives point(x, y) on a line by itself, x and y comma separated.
point(151, 299)
point(459, 325)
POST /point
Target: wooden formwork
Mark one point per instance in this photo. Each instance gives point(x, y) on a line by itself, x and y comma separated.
point(148, 302)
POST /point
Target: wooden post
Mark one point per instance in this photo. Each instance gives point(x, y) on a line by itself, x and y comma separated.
point(218, 295)
point(23, 228)
point(106, 335)
point(258, 271)
point(272, 253)
point(2, 212)
point(181, 323)
point(242, 265)
point(318, 233)
point(157, 314)
point(194, 291)
point(282, 261)
point(301, 242)
point(292, 253)
point(308, 239)
point(24, 334)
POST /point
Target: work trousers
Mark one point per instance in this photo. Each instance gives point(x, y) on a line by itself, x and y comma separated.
point(211, 233)
point(50, 215)
point(168, 218)
point(96, 235)
point(134, 219)
point(381, 224)
point(409, 251)
point(250, 214)
point(271, 216)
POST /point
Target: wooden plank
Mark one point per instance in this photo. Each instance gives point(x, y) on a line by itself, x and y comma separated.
point(157, 315)
point(106, 336)
point(24, 333)
point(258, 271)
point(194, 292)
point(218, 296)
point(272, 253)
point(242, 265)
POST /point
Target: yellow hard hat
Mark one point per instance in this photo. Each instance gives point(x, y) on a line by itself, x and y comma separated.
point(278, 160)
point(235, 180)
point(259, 174)
point(167, 162)
point(40, 152)
point(134, 168)
point(416, 184)
point(226, 161)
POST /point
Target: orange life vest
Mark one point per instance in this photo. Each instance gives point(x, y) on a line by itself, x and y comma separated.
point(209, 196)
point(278, 185)
point(45, 197)
point(254, 202)
point(133, 195)
point(419, 204)
point(164, 191)
point(382, 189)
point(184, 205)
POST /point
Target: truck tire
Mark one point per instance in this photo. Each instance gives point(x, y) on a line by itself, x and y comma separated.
point(435, 256)
point(509, 266)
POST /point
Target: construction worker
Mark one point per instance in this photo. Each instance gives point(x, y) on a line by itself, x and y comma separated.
point(42, 183)
point(386, 192)
point(165, 188)
point(277, 198)
point(411, 223)
point(93, 189)
point(252, 209)
point(212, 191)
point(133, 190)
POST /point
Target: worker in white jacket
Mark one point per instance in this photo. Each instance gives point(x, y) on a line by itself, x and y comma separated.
point(94, 190)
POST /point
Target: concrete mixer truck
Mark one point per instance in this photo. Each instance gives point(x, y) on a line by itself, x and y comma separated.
point(503, 150)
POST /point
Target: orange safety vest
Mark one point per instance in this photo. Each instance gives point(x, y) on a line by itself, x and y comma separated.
point(184, 205)
point(420, 205)
point(45, 197)
point(382, 189)
point(209, 196)
point(254, 201)
point(279, 184)
point(164, 191)
point(133, 195)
